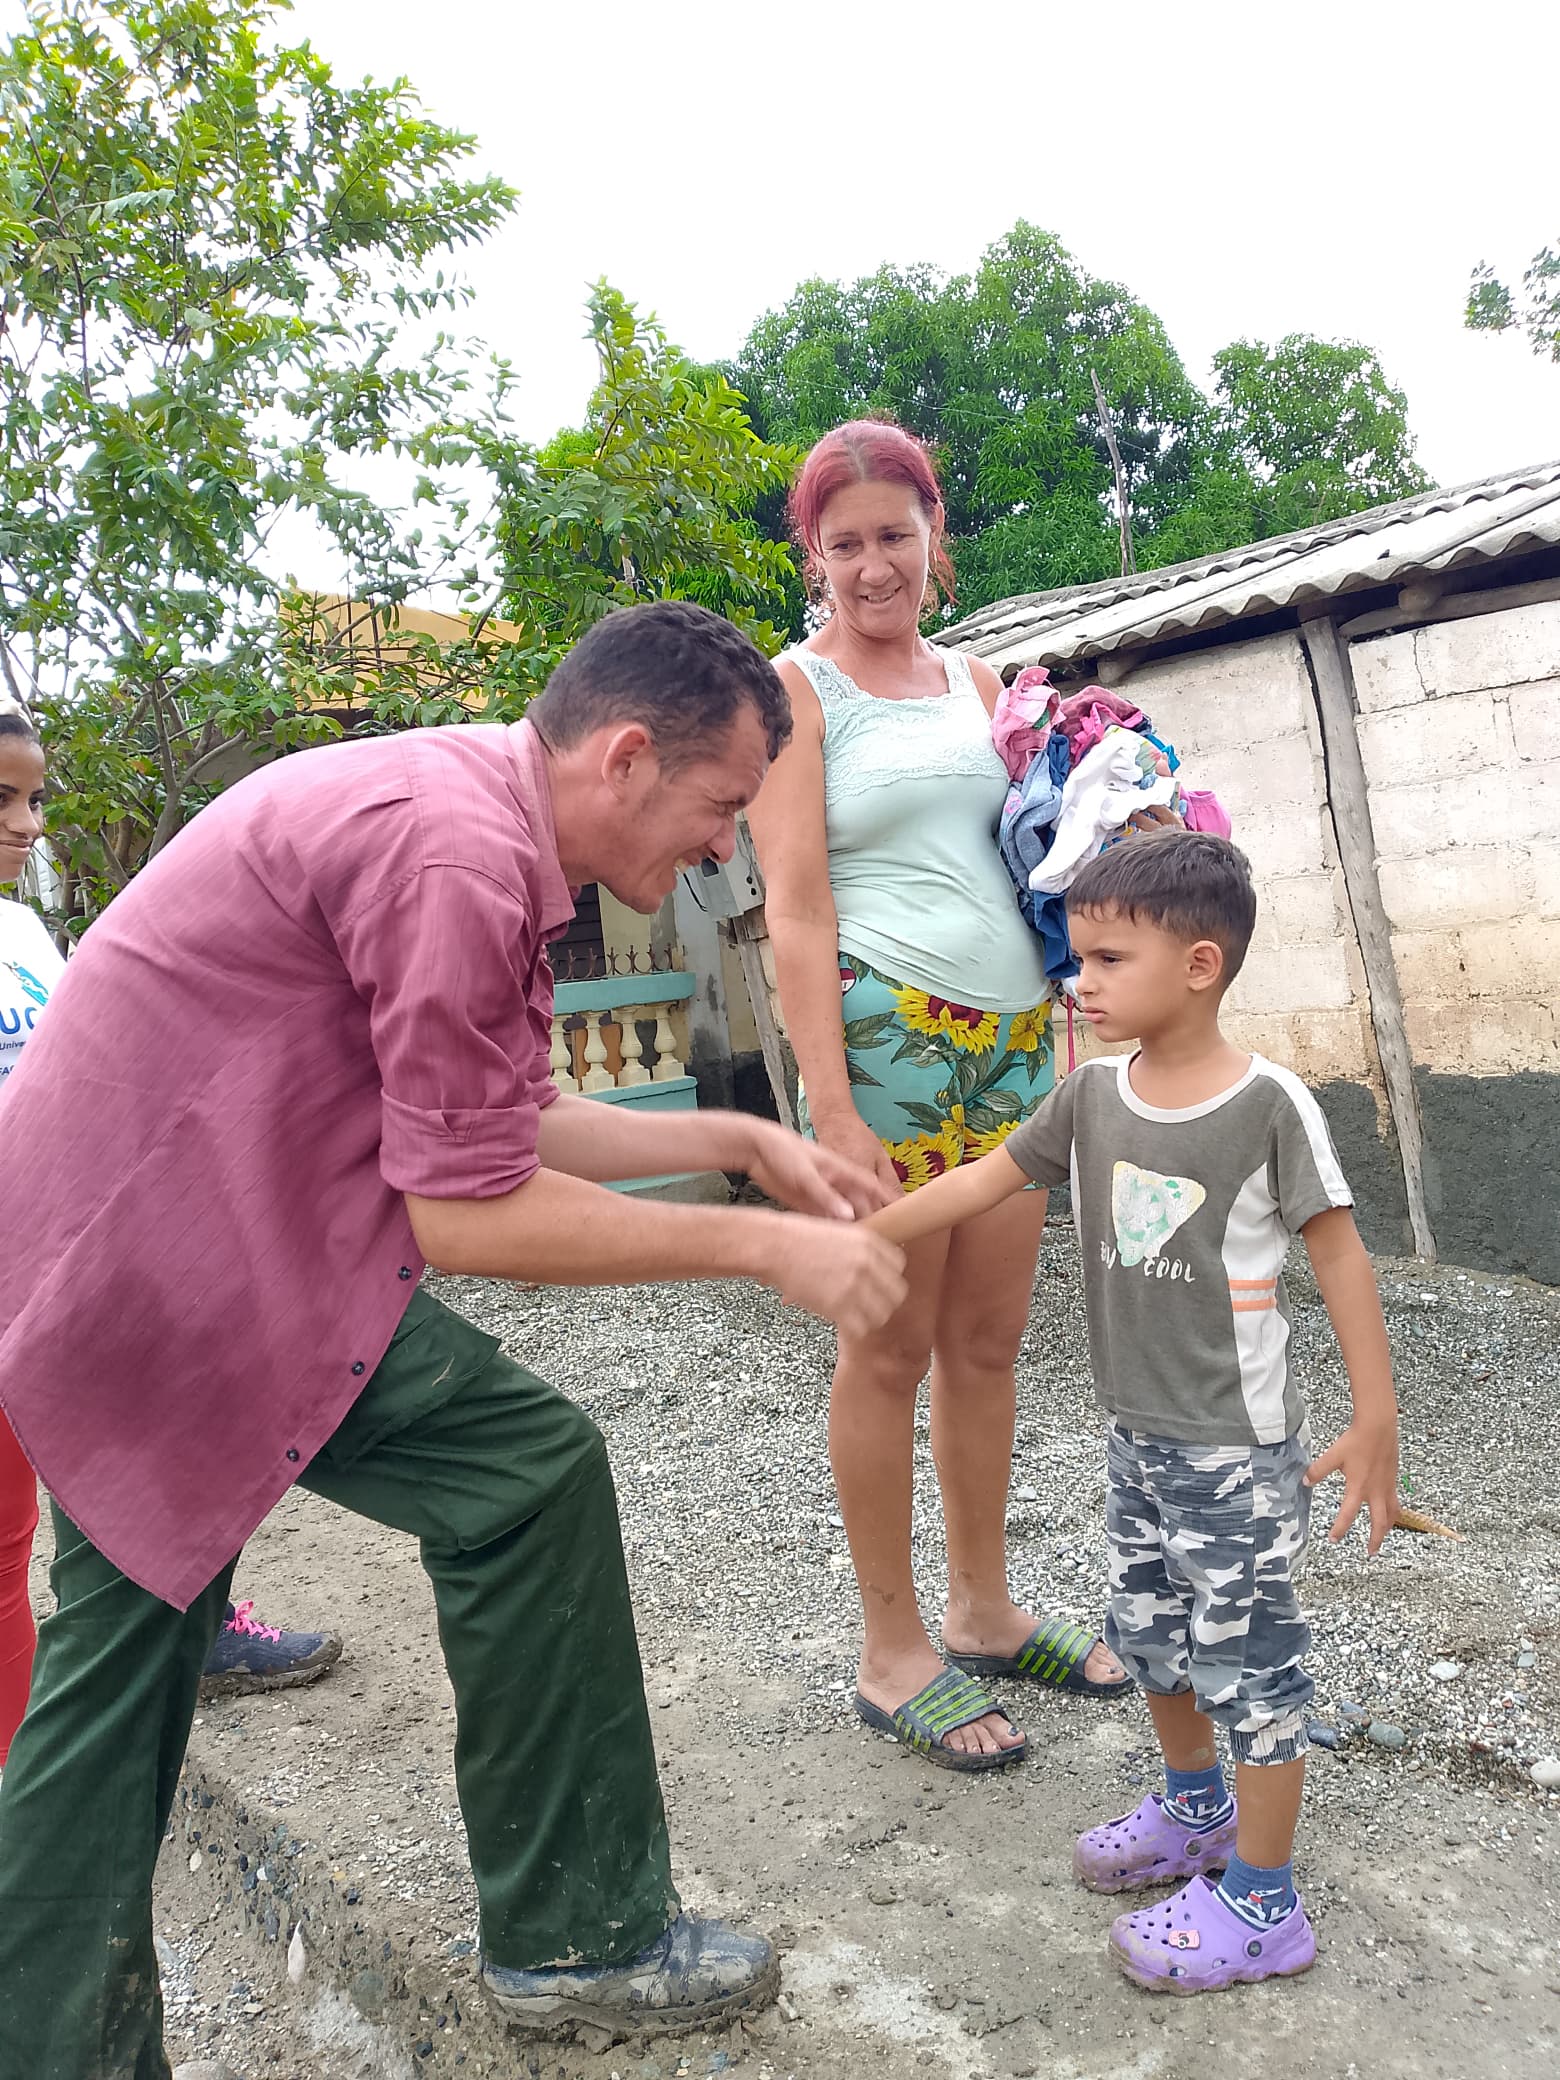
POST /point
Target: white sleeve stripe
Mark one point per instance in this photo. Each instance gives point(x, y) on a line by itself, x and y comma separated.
point(1314, 1121)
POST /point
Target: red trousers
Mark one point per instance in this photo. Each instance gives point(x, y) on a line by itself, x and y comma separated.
point(18, 1521)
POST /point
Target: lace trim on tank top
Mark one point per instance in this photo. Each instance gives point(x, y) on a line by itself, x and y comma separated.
point(870, 743)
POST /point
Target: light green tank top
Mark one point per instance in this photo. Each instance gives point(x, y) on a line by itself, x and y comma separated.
point(913, 791)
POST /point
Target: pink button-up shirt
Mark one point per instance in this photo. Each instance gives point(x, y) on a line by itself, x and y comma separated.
point(331, 989)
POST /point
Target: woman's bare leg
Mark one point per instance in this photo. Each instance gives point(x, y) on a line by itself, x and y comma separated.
point(985, 1296)
point(871, 1445)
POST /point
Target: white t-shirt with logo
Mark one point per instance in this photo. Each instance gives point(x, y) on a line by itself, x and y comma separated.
point(30, 968)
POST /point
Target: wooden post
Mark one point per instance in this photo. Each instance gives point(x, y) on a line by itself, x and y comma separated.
point(1348, 797)
point(748, 931)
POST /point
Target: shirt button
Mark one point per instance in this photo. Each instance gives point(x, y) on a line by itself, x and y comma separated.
point(357, 1369)
point(292, 1453)
point(405, 1271)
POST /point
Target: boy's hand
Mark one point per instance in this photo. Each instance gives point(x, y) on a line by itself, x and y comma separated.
point(1367, 1457)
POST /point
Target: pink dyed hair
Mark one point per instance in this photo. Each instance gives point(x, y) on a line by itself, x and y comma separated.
point(868, 451)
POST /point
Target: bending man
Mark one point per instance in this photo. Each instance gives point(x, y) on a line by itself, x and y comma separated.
point(304, 1053)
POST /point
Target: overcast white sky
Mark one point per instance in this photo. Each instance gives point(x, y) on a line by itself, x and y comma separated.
point(1246, 170)
point(1326, 166)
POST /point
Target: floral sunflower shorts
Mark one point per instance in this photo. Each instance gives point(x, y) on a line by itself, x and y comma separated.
point(940, 1084)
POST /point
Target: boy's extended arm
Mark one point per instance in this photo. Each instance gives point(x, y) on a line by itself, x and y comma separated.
point(1367, 1452)
point(956, 1196)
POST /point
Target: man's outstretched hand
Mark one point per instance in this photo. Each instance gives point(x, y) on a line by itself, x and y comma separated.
point(845, 1275)
point(809, 1178)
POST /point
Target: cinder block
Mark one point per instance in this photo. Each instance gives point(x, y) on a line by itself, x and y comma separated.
point(1469, 1036)
point(1241, 693)
point(1436, 739)
point(1535, 719)
point(1321, 1046)
point(1295, 978)
point(1508, 961)
point(1386, 672)
point(1279, 845)
point(1304, 907)
point(1463, 885)
point(1411, 822)
point(1510, 649)
point(1511, 961)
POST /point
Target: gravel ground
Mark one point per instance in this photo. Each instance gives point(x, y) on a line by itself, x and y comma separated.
point(714, 1403)
point(929, 1921)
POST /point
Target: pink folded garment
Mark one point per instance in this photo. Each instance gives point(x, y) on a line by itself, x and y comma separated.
point(1023, 720)
point(1201, 810)
point(1086, 716)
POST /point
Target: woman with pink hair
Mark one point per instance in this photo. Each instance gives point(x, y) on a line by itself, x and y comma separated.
point(887, 899)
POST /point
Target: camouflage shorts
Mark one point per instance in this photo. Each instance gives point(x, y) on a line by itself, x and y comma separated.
point(1205, 1543)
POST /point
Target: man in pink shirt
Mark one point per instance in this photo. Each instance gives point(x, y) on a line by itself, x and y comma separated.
point(305, 1053)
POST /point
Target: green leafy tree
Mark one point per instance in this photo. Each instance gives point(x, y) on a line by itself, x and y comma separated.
point(652, 498)
point(997, 371)
point(219, 283)
point(1303, 432)
point(1533, 307)
point(224, 289)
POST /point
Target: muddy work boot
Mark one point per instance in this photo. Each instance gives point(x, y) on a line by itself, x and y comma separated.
point(249, 1656)
point(699, 1973)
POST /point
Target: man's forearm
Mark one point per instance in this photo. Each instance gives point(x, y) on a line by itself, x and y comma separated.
point(589, 1138)
point(558, 1230)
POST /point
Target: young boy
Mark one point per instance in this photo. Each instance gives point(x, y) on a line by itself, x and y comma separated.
point(1191, 1166)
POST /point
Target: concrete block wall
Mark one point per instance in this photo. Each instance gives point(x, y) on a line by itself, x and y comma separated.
point(1242, 718)
point(1460, 731)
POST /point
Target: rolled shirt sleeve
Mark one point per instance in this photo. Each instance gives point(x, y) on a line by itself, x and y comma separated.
point(453, 969)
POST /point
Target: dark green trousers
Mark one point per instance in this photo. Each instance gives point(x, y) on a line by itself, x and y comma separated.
point(507, 1486)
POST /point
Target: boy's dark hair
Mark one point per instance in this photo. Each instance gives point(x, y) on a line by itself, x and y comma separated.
point(678, 669)
point(1189, 883)
point(15, 722)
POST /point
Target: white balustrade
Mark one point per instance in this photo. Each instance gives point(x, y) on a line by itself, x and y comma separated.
point(638, 1059)
point(667, 1066)
point(584, 1039)
point(561, 1058)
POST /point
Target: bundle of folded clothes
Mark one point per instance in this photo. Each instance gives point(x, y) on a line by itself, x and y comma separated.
point(1081, 769)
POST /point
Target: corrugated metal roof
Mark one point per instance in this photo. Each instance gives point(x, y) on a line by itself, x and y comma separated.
point(1438, 531)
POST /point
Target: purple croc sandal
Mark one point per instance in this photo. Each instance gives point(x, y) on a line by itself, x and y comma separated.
point(1147, 1847)
point(1193, 1943)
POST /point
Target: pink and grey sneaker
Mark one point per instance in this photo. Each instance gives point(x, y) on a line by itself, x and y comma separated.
point(1147, 1847)
point(249, 1655)
point(1194, 1943)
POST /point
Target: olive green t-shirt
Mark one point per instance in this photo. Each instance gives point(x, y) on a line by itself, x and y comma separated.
point(1184, 1219)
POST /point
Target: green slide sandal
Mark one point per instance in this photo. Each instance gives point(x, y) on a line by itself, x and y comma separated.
point(949, 1701)
point(1054, 1653)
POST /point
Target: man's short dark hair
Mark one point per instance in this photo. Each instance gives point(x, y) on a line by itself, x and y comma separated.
point(1188, 883)
point(678, 669)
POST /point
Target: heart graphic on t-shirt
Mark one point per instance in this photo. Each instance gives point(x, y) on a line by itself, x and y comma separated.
point(1147, 1209)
